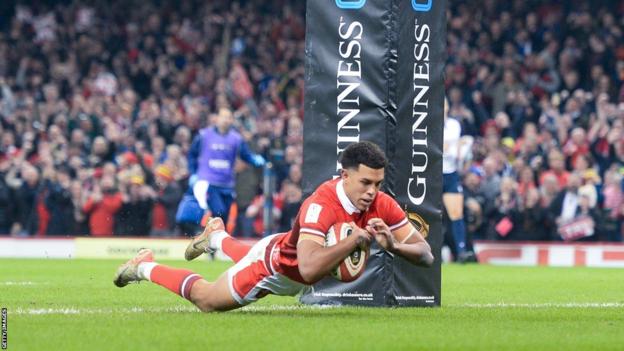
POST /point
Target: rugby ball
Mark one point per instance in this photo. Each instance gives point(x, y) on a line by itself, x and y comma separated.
point(353, 265)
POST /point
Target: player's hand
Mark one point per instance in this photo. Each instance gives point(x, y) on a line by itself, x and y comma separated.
point(193, 179)
point(380, 230)
point(362, 237)
point(258, 161)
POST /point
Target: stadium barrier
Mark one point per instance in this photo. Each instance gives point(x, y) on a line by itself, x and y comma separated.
point(96, 248)
point(605, 255)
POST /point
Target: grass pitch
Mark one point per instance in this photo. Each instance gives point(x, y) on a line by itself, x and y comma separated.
point(73, 305)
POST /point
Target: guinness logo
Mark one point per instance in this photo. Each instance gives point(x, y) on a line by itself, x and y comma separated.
point(419, 223)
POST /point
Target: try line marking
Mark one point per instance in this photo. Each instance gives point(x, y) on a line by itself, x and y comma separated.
point(183, 309)
point(543, 305)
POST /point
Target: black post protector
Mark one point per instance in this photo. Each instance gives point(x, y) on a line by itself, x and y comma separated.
point(374, 72)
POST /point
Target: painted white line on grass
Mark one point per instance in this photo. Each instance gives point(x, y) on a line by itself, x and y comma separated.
point(544, 305)
point(261, 308)
point(71, 310)
point(177, 309)
point(275, 308)
point(269, 308)
point(19, 283)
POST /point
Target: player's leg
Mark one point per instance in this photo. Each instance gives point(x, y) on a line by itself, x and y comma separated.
point(216, 296)
point(237, 287)
point(189, 214)
point(214, 237)
point(205, 295)
point(453, 199)
point(250, 279)
point(228, 198)
point(217, 202)
point(454, 203)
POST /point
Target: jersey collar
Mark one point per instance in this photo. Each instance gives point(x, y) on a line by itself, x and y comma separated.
point(344, 199)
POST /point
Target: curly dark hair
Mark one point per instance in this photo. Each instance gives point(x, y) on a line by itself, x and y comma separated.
point(363, 152)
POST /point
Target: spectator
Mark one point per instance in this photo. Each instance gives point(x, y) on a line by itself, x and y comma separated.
point(526, 181)
point(60, 204)
point(490, 185)
point(134, 216)
point(504, 212)
point(531, 218)
point(292, 198)
point(102, 204)
point(167, 197)
point(79, 198)
point(247, 187)
point(29, 195)
point(7, 198)
point(613, 210)
point(566, 207)
point(556, 167)
point(255, 214)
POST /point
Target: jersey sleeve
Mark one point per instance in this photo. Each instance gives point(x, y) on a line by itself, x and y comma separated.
point(193, 154)
point(392, 213)
point(315, 218)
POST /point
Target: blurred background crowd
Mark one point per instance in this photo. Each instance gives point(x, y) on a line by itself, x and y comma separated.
point(99, 105)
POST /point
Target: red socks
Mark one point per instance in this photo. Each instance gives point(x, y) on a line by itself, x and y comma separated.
point(234, 248)
point(177, 280)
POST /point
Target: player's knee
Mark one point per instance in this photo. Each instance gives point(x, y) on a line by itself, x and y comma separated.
point(205, 306)
point(211, 297)
point(205, 302)
point(455, 214)
point(459, 214)
point(454, 207)
point(201, 296)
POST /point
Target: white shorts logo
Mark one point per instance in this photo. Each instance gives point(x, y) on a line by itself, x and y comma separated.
point(312, 215)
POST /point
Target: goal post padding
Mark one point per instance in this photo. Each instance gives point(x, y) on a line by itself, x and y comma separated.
point(374, 71)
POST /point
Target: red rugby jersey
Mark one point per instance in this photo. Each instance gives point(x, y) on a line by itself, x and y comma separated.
point(326, 206)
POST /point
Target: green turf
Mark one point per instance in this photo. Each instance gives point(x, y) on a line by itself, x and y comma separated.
point(484, 308)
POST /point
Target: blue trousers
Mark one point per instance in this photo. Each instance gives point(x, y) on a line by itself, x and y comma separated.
point(219, 201)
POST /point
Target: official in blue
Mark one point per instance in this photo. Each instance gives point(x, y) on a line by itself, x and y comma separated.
point(452, 191)
point(211, 162)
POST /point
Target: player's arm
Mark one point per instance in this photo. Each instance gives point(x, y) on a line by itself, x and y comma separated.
point(412, 246)
point(316, 260)
point(246, 155)
point(193, 154)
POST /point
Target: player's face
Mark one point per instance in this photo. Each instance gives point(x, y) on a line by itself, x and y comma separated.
point(362, 184)
point(224, 120)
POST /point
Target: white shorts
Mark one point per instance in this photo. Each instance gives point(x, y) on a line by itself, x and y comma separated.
point(253, 277)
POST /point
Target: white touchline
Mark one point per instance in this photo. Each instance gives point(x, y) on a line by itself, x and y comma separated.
point(75, 310)
point(19, 283)
point(269, 308)
point(543, 305)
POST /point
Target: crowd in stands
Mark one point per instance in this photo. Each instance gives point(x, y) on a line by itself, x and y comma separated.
point(537, 87)
point(99, 104)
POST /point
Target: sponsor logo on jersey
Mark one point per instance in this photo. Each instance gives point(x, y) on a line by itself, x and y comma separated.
point(313, 212)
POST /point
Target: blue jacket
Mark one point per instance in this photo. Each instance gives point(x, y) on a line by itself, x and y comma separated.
point(212, 156)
